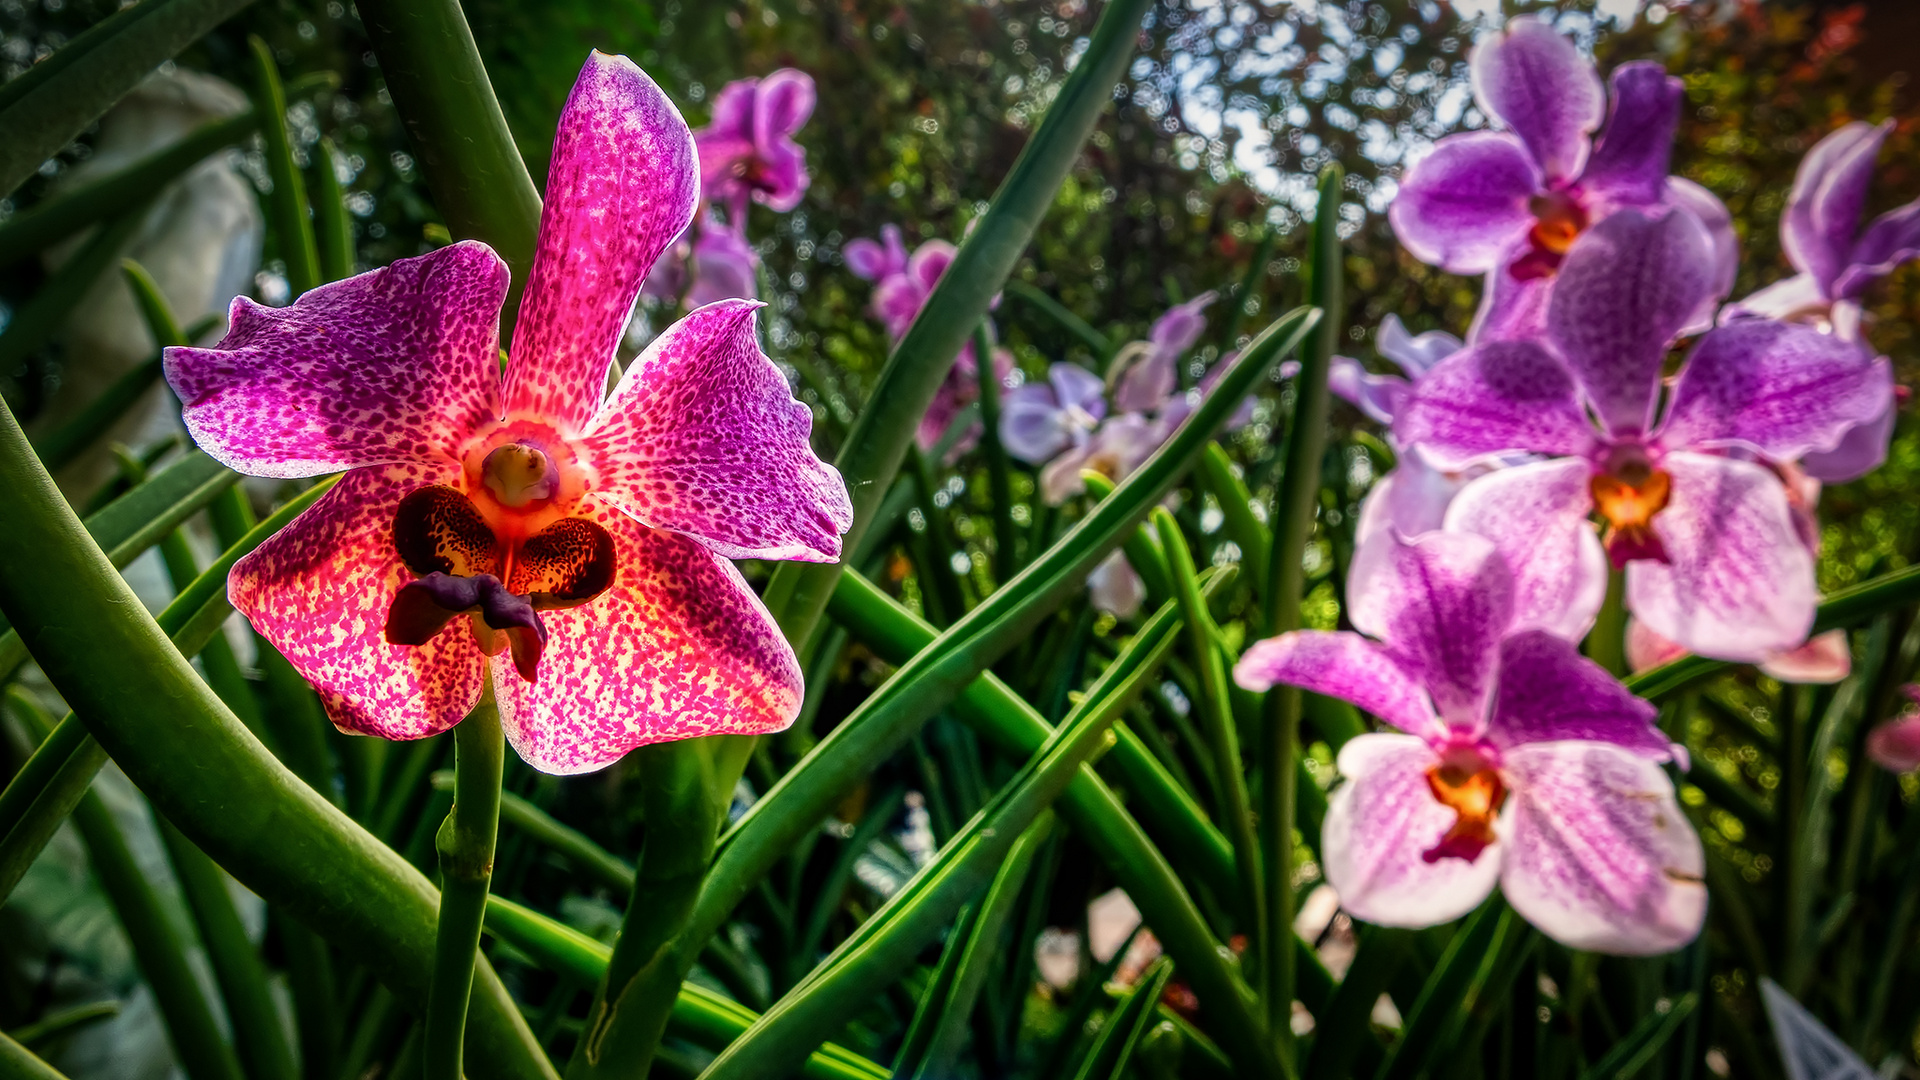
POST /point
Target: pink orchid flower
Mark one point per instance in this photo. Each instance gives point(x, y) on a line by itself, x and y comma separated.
point(878, 260)
point(1824, 659)
point(586, 541)
point(1522, 763)
point(748, 150)
point(1895, 744)
point(1147, 370)
point(711, 261)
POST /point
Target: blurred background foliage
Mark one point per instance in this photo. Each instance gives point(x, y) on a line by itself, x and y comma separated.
point(1201, 178)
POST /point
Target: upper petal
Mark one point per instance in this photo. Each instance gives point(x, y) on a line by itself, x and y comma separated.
point(1629, 285)
point(1378, 396)
point(1342, 665)
point(319, 591)
point(1892, 239)
point(1380, 822)
point(1536, 515)
point(679, 646)
point(1548, 692)
point(783, 102)
point(1182, 324)
point(1829, 193)
point(1740, 583)
point(1600, 856)
point(1033, 427)
point(1712, 214)
point(1075, 385)
point(703, 436)
point(1629, 163)
point(397, 364)
point(1780, 389)
point(622, 185)
point(1440, 602)
point(1491, 398)
point(1463, 206)
point(1415, 354)
point(1861, 450)
point(1534, 81)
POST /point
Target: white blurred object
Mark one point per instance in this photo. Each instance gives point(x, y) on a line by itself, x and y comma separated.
point(200, 241)
point(1111, 920)
point(1807, 1049)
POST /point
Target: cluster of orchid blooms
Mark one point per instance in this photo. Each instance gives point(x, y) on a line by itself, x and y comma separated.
point(522, 534)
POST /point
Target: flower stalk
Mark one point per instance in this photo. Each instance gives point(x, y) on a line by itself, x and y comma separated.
point(466, 844)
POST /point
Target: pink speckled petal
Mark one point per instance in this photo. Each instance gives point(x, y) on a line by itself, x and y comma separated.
point(1829, 193)
point(319, 590)
point(1779, 389)
point(1440, 602)
point(1740, 582)
point(678, 647)
point(1536, 515)
point(1548, 692)
point(1342, 665)
point(1380, 821)
point(1492, 398)
point(1511, 308)
point(1628, 286)
point(397, 364)
point(703, 436)
point(622, 185)
point(1537, 83)
point(1599, 855)
point(1465, 206)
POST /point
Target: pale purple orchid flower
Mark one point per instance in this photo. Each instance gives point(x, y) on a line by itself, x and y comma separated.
point(748, 150)
point(1145, 372)
point(709, 262)
point(1115, 587)
point(878, 260)
point(524, 527)
point(1379, 396)
point(898, 298)
point(1040, 420)
point(1697, 509)
point(1523, 765)
point(1510, 203)
point(1836, 263)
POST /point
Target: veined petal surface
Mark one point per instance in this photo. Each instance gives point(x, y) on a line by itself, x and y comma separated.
point(1630, 159)
point(1342, 665)
point(1549, 693)
point(1536, 515)
point(1464, 206)
point(1440, 602)
point(1492, 398)
point(1781, 389)
point(1535, 82)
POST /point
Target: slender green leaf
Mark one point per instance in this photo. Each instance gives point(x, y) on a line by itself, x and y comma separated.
point(999, 469)
point(1644, 1043)
point(1073, 324)
point(53, 101)
point(63, 1022)
point(201, 767)
point(46, 312)
point(1344, 1028)
point(332, 225)
point(287, 202)
point(1112, 1051)
point(19, 1063)
point(1236, 505)
point(1446, 989)
point(68, 441)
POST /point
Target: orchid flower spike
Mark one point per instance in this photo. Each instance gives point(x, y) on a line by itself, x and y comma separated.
point(1510, 203)
point(1522, 763)
point(748, 150)
point(1693, 496)
point(580, 543)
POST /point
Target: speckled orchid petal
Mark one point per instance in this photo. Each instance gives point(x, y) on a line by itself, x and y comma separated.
point(1599, 855)
point(622, 185)
point(1464, 206)
point(1415, 353)
point(320, 589)
point(1493, 398)
point(1511, 308)
point(679, 646)
point(1862, 449)
point(1342, 665)
point(703, 436)
point(1829, 193)
point(1380, 821)
point(393, 365)
point(1630, 158)
point(1780, 389)
point(1892, 239)
point(1548, 692)
point(1627, 288)
point(1536, 515)
point(1440, 603)
point(1378, 396)
point(1739, 584)
point(1535, 82)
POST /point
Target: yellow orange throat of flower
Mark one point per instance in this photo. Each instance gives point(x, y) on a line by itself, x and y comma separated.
point(1475, 796)
point(1627, 500)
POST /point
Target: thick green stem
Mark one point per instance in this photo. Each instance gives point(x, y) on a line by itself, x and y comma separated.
point(1293, 518)
point(466, 843)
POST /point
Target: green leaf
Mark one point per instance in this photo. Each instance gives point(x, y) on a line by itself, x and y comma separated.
point(19, 1063)
point(883, 431)
point(1441, 999)
point(68, 441)
point(287, 202)
point(61, 1022)
point(333, 227)
point(53, 101)
point(1247, 532)
point(1343, 1030)
point(201, 767)
point(1112, 1051)
point(876, 953)
point(1006, 561)
point(1071, 323)
point(46, 312)
point(1644, 1043)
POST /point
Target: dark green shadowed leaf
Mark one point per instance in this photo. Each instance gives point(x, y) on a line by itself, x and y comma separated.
point(42, 316)
point(19, 1063)
point(1631, 1055)
point(287, 202)
point(1112, 1052)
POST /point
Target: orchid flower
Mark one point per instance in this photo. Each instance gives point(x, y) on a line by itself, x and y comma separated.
point(1511, 203)
point(710, 261)
point(1895, 744)
point(584, 541)
point(1145, 371)
point(1379, 396)
point(1694, 502)
point(1039, 420)
point(1115, 587)
point(1825, 658)
point(1836, 263)
point(748, 150)
point(878, 260)
point(1522, 763)
point(898, 298)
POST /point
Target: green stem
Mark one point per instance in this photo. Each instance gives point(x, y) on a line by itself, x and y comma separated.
point(1607, 642)
point(999, 470)
point(333, 228)
point(1058, 312)
point(287, 204)
point(19, 1063)
point(1293, 519)
point(466, 843)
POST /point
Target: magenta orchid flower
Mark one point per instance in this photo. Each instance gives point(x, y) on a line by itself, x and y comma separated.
point(748, 150)
point(1836, 263)
point(1692, 495)
point(1147, 370)
point(898, 298)
point(585, 541)
point(878, 260)
point(1519, 764)
point(1379, 396)
point(711, 261)
point(1510, 203)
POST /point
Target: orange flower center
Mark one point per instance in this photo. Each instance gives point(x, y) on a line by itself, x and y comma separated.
point(1628, 493)
point(1558, 220)
point(1472, 789)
